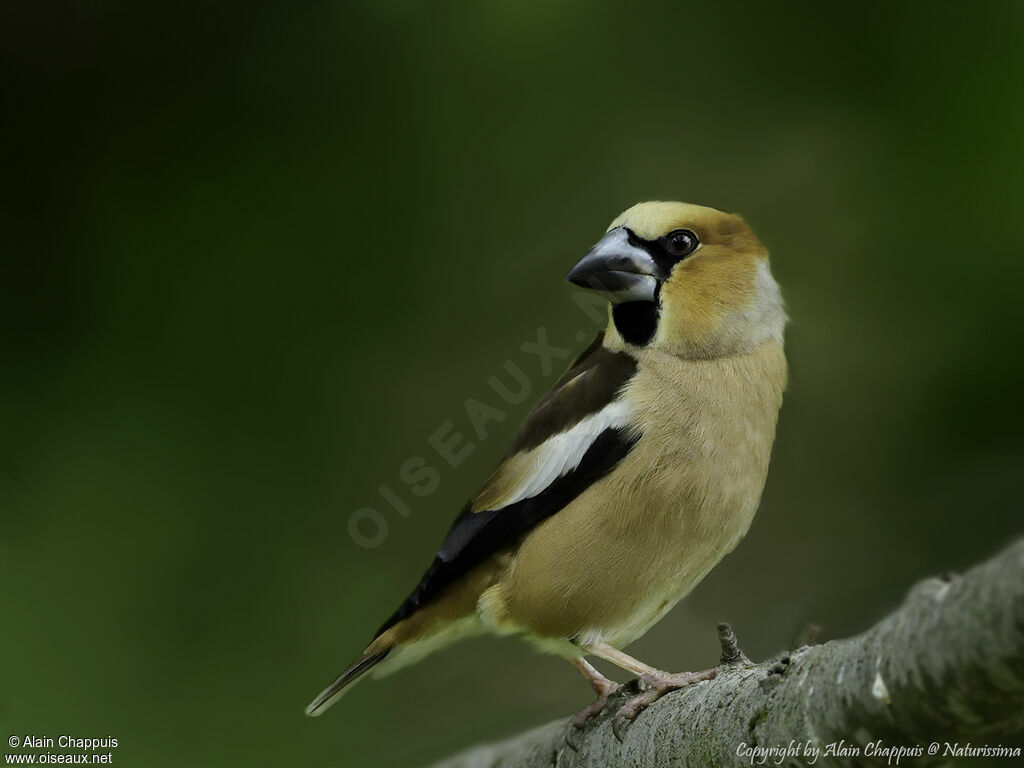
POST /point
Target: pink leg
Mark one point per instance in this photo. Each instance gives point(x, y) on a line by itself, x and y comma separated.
point(602, 686)
point(659, 683)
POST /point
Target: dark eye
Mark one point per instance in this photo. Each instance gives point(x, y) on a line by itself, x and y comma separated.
point(681, 242)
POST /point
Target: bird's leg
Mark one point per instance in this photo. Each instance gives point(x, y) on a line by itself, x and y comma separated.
point(659, 683)
point(602, 686)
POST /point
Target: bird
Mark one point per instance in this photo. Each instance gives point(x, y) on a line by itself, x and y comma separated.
point(631, 478)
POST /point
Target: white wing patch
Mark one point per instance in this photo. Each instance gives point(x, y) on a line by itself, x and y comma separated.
point(562, 453)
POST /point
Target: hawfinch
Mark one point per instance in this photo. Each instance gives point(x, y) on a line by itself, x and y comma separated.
point(632, 477)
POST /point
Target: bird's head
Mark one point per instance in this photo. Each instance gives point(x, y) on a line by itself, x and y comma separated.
point(685, 279)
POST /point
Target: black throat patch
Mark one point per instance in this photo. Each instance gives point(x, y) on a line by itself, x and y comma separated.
point(636, 321)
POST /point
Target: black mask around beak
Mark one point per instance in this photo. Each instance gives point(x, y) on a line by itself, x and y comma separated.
point(617, 268)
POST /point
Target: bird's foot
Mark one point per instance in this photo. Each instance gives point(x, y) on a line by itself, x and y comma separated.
point(658, 685)
point(578, 722)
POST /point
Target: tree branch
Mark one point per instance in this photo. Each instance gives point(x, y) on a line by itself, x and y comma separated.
point(946, 666)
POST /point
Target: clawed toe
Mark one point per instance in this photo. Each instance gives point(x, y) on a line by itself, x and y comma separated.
point(578, 722)
point(659, 685)
point(574, 728)
point(572, 735)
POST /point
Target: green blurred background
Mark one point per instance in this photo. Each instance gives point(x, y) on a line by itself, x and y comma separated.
point(254, 256)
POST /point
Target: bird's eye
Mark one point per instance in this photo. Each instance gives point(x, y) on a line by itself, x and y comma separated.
point(681, 242)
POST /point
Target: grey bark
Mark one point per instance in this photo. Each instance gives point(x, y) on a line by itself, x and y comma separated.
point(947, 666)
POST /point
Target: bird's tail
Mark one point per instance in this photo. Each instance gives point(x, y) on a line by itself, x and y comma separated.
point(403, 643)
point(370, 657)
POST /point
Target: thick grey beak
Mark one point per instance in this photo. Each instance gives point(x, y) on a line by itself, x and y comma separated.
point(617, 268)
